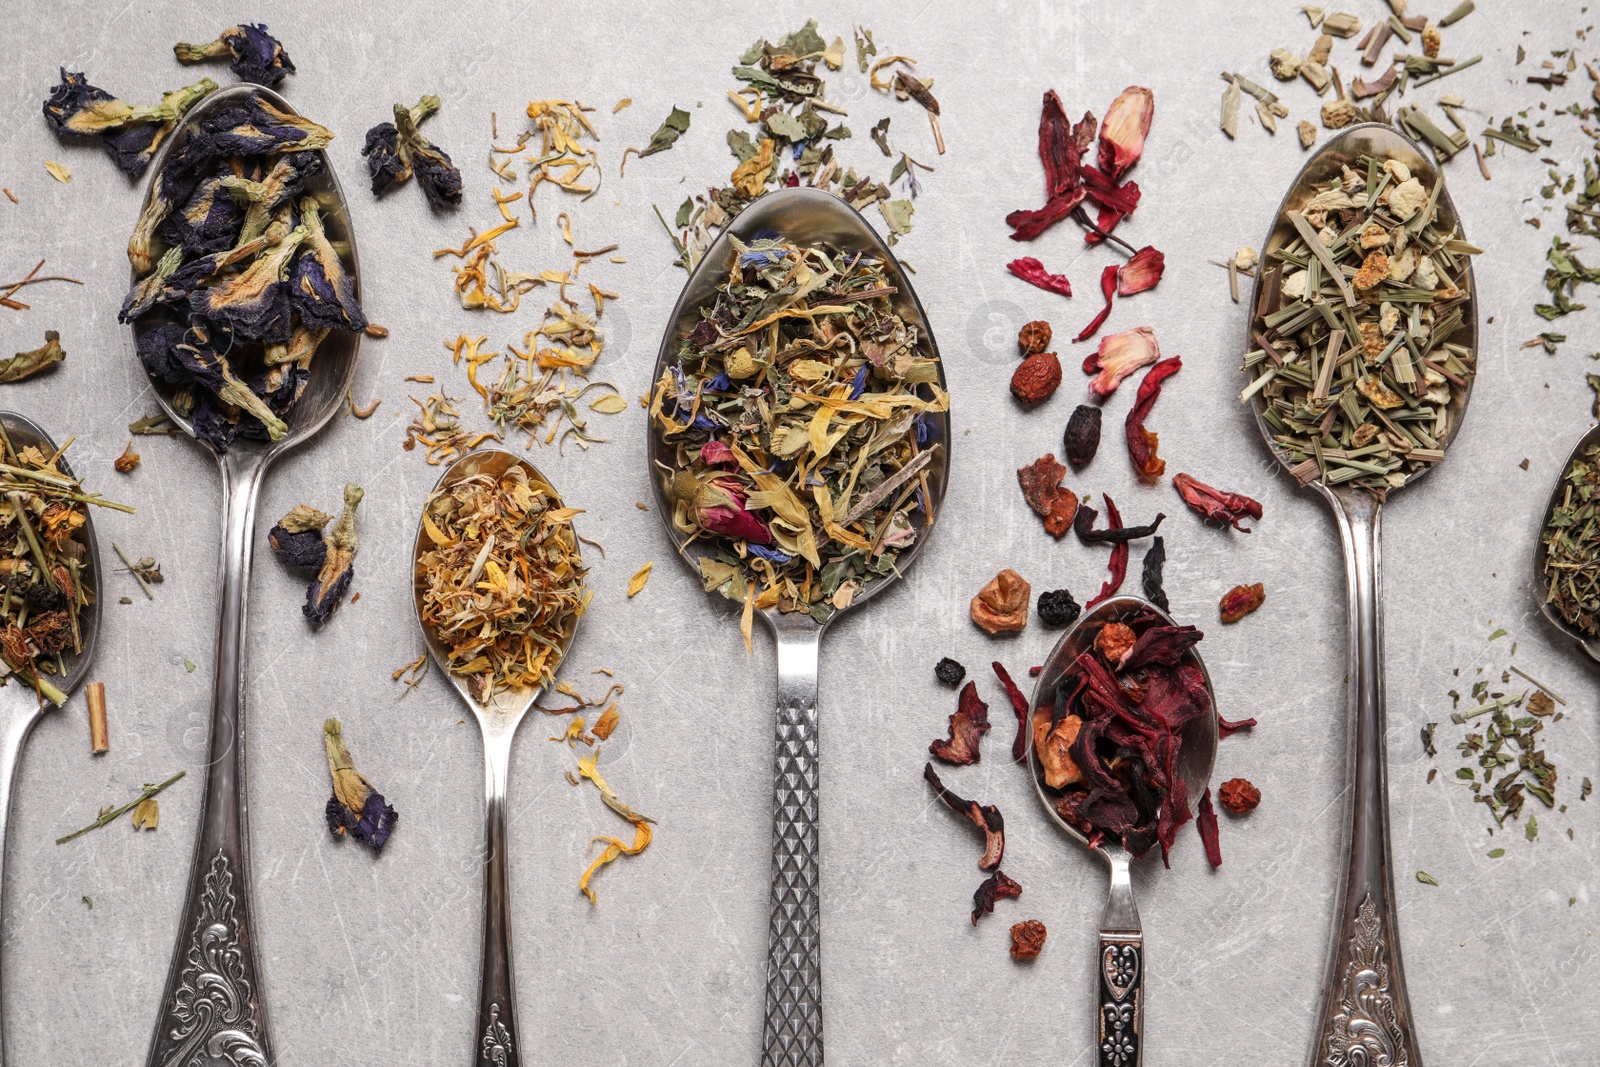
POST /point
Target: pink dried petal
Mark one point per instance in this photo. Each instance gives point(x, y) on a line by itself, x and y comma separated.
point(1119, 355)
point(735, 522)
point(1141, 272)
point(1108, 288)
point(1126, 126)
point(1032, 271)
point(718, 454)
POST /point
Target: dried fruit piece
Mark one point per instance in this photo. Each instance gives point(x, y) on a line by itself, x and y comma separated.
point(1337, 114)
point(986, 817)
point(1119, 355)
point(1082, 437)
point(1142, 443)
point(1205, 821)
point(1238, 795)
point(1141, 272)
point(1032, 271)
point(949, 672)
point(1034, 337)
point(998, 886)
point(1214, 504)
point(1285, 64)
point(968, 723)
point(1027, 939)
point(1003, 603)
point(1114, 641)
point(1062, 512)
point(1040, 481)
point(1374, 269)
point(1241, 600)
point(1108, 289)
point(1057, 608)
point(1036, 378)
point(1053, 745)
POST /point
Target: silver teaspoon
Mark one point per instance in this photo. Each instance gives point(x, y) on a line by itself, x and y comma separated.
point(1541, 581)
point(1365, 1015)
point(498, 1042)
point(20, 707)
point(792, 1032)
point(214, 1005)
point(1120, 962)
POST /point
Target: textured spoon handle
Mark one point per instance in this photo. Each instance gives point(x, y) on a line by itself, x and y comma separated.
point(793, 1031)
point(1365, 1016)
point(1119, 1024)
point(213, 1011)
point(498, 1040)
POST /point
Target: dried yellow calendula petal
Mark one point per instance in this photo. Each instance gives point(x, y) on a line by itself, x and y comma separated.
point(636, 584)
point(57, 171)
point(147, 816)
point(615, 847)
point(606, 723)
point(610, 404)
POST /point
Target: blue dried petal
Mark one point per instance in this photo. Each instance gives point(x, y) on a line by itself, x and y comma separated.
point(257, 55)
point(720, 384)
point(441, 181)
point(322, 291)
point(133, 148)
point(71, 106)
point(156, 353)
point(923, 430)
point(768, 553)
point(703, 422)
point(858, 385)
point(257, 128)
point(212, 426)
point(383, 157)
point(266, 316)
point(304, 548)
point(208, 222)
point(323, 600)
point(372, 827)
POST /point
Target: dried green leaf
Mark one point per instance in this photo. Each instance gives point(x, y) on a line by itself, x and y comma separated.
point(26, 364)
point(1426, 879)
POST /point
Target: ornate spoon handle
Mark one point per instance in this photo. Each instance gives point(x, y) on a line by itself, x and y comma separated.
point(1119, 973)
point(792, 1035)
point(213, 1011)
point(20, 713)
point(1365, 1015)
point(498, 1042)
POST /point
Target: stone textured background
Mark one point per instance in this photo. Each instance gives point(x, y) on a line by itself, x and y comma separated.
point(374, 961)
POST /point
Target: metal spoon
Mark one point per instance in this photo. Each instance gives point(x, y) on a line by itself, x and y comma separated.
point(214, 1004)
point(792, 1034)
point(498, 1043)
point(1365, 1015)
point(1119, 994)
point(1541, 584)
point(20, 707)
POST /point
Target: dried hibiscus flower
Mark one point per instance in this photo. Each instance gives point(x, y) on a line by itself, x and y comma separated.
point(1239, 795)
point(968, 723)
point(1119, 355)
point(1205, 821)
point(1241, 600)
point(1027, 939)
point(986, 817)
point(1123, 133)
point(1226, 727)
point(1032, 271)
point(1019, 705)
point(355, 808)
point(1108, 289)
point(998, 886)
point(1081, 439)
point(1141, 272)
point(1215, 505)
point(1142, 443)
point(1155, 558)
point(1003, 603)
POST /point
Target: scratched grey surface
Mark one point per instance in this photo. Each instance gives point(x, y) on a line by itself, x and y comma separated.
point(375, 960)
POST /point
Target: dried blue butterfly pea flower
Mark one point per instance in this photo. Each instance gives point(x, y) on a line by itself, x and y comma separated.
point(130, 134)
point(355, 808)
point(320, 289)
point(397, 150)
point(254, 304)
point(303, 549)
point(255, 128)
point(327, 590)
point(156, 353)
point(384, 161)
point(255, 55)
point(208, 222)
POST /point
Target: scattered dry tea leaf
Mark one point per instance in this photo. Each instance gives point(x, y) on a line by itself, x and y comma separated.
point(57, 171)
point(147, 816)
point(637, 582)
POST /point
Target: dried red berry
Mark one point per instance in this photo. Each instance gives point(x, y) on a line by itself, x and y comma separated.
point(1082, 437)
point(1027, 939)
point(1036, 378)
point(1241, 600)
point(1239, 796)
point(968, 723)
point(1034, 337)
point(1032, 271)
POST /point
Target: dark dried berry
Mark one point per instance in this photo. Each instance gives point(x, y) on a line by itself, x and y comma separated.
point(1082, 438)
point(1057, 608)
point(949, 672)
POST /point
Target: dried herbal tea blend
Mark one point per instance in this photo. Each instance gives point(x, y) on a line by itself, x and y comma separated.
point(239, 278)
point(355, 808)
point(503, 583)
point(796, 428)
point(130, 134)
point(1571, 540)
point(1106, 746)
point(43, 565)
point(1359, 358)
point(397, 150)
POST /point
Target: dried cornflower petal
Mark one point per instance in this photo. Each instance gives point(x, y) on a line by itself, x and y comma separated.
point(1238, 796)
point(1241, 600)
point(968, 723)
point(1215, 505)
point(1003, 603)
point(1141, 272)
point(1119, 355)
point(355, 808)
point(1027, 939)
point(1032, 271)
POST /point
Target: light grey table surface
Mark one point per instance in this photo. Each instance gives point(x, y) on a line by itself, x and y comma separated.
point(374, 960)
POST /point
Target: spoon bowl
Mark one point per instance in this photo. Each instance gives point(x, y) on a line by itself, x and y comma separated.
point(792, 1031)
point(1120, 970)
point(498, 1039)
point(1541, 553)
point(20, 707)
point(1358, 1011)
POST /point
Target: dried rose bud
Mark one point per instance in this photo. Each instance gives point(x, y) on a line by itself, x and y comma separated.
point(1113, 642)
point(1126, 125)
point(1034, 337)
point(1003, 603)
point(1119, 355)
point(1027, 939)
point(1082, 438)
point(1239, 796)
point(1241, 600)
point(1141, 272)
